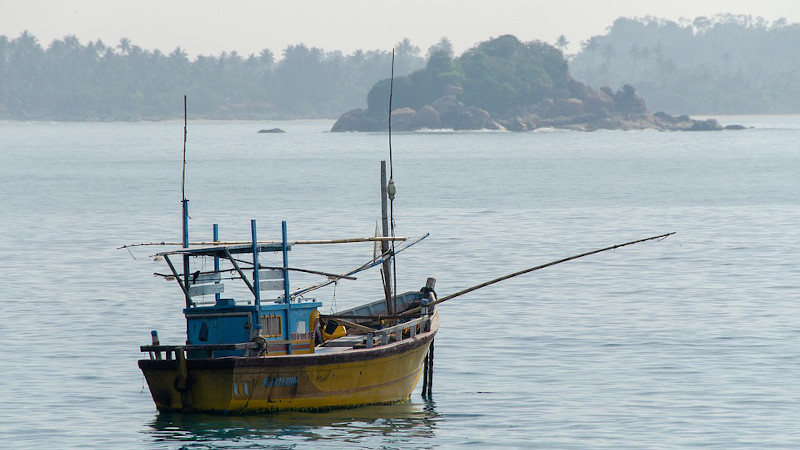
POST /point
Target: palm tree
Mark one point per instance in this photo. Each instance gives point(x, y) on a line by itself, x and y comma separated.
point(408, 57)
point(124, 46)
point(443, 46)
point(562, 43)
point(591, 47)
point(267, 57)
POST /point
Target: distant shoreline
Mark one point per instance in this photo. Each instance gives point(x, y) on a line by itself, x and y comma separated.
point(720, 117)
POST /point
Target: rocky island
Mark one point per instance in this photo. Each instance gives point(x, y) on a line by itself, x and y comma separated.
point(504, 84)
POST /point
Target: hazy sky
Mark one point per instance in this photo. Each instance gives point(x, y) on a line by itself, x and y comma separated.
point(248, 26)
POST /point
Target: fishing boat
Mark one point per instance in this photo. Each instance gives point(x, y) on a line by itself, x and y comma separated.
point(263, 353)
point(271, 349)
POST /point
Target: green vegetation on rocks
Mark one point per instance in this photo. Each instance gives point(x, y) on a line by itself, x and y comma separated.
point(503, 84)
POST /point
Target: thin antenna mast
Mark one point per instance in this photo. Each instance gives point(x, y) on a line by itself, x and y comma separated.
point(391, 189)
point(185, 204)
point(183, 175)
point(391, 93)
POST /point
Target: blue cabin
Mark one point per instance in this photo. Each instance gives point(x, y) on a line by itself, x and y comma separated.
point(279, 326)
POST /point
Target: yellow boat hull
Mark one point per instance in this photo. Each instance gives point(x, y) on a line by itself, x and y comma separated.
point(353, 377)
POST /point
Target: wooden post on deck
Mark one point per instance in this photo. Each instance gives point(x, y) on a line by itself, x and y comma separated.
point(387, 276)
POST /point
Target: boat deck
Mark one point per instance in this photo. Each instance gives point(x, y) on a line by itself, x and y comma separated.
point(371, 339)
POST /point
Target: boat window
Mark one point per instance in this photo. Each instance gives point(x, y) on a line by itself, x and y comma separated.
point(271, 326)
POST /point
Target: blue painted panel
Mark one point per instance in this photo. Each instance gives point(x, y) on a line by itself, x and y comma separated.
point(298, 317)
point(220, 324)
point(228, 323)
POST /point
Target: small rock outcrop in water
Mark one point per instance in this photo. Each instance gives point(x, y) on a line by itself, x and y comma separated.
point(505, 84)
point(586, 109)
point(272, 130)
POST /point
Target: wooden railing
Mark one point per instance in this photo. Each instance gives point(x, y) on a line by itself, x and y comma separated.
point(265, 347)
point(399, 332)
point(418, 325)
point(171, 351)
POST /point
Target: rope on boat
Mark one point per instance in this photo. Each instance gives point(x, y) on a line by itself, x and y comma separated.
point(427, 374)
point(428, 297)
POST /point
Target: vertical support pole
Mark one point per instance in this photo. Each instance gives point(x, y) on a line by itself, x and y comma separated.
point(425, 375)
point(430, 371)
point(256, 280)
point(215, 236)
point(427, 295)
point(285, 243)
point(387, 278)
point(186, 256)
point(290, 324)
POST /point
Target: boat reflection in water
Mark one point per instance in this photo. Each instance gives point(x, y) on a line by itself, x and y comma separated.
point(361, 426)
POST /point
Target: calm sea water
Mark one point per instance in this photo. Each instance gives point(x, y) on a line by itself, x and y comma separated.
point(689, 342)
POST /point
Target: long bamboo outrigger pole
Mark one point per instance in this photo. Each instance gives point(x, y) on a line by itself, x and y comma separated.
point(531, 269)
point(303, 242)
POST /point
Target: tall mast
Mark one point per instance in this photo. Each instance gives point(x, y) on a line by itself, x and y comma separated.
point(185, 203)
point(390, 191)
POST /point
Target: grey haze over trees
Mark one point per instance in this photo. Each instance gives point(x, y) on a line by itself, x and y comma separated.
point(726, 64)
point(72, 81)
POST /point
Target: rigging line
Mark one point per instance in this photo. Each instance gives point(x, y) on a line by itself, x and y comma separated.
point(333, 300)
point(391, 93)
point(249, 264)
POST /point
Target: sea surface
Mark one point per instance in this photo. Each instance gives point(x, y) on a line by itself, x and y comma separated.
point(688, 342)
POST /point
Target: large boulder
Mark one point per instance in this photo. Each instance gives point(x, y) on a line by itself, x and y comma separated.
point(627, 102)
point(403, 119)
point(472, 118)
point(546, 108)
point(427, 118)
point(705, 125)
point(570, 106)
point(519, 123)
point(449, 108)
point(665, 121)
point(594, 101)
point(358, 120)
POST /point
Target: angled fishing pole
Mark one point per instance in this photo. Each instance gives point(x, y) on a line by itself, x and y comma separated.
point(378, 260)
point(531, 269)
